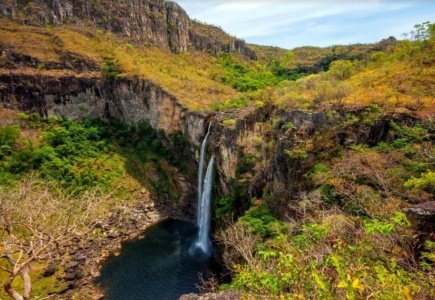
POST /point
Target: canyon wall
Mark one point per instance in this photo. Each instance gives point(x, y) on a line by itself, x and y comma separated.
point(149, 22)
point(131, 101)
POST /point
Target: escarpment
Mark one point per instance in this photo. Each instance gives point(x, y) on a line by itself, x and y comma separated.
point(270, 153)
point(270, 149)
point(129, 100)
point(149, 22)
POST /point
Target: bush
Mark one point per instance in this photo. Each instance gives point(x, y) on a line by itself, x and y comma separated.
point(425, 182)
point(110, 69)
point(341, 69)
point(9, 135)
point(261, 221)
point(230, 122)
point(244, 77)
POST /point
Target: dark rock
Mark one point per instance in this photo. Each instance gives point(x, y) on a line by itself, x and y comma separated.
point(68, 276)
point(424, 216)
point(49, 270)
point(80, 258)
point(78, 275)
point(66, 288)
point(423, 211)
point(228, 295)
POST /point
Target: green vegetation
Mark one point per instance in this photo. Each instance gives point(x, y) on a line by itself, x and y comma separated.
point(80, 156)
point(245, 76)
point(397, 77)
point(345, 238)
point(110, 70)
point(259, 220)
point(59, 167)
point(348, 237)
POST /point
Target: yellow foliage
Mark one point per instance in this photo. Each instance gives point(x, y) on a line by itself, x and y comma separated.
point(407, 293)
point(192, 77)
point(390, 84)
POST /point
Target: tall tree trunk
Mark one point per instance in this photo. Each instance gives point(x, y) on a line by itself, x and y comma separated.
point(27, 282)
point(9, 290)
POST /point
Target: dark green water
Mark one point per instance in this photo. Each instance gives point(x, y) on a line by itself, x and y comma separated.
point(160, 266)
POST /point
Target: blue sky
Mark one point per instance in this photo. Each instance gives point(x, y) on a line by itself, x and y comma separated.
point(292, 23)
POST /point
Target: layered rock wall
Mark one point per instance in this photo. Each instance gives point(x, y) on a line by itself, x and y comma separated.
point(151, 22)
point(131, 101)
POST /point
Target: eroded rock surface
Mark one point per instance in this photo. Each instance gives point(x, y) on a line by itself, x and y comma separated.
point(129, 100)
point(151, 22)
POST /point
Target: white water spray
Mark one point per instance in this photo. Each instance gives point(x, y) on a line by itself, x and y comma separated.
point(201, 171)
point(204, 219)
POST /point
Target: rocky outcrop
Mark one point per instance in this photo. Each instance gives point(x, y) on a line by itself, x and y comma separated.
point(144, 21)
point(131, 101)
point(254, 136)
point(151, 22)
point(424, 215)
point(178, 24)
point(213, 40)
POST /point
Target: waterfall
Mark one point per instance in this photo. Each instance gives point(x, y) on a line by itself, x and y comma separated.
point(204, 217)
point(201, 171)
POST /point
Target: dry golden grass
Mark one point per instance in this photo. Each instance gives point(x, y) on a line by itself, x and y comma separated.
point(30, 41)
point(192, 77)
point(392, 86)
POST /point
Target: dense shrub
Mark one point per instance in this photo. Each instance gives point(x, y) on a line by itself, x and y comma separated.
point(261, 221)
point(74, 153)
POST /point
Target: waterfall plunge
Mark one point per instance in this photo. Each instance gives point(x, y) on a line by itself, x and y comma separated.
point(204, 198)
point(201, 172)
point(205, 211)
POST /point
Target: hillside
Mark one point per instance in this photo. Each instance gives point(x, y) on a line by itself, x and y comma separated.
point(323, 157)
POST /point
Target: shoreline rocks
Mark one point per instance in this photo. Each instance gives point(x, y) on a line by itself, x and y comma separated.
point(83, 259)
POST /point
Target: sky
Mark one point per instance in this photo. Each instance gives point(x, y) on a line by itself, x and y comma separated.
point(293, 23)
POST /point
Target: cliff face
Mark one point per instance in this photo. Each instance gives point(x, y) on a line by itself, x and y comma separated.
point(269, 151)
point(213, 40)
point(131, 101)
point(151, 22)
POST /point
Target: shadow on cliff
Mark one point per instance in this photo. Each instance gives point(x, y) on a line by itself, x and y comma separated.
point(162, 165)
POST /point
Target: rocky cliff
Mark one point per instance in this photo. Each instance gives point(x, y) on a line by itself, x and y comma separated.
point(270, 151)
point(131, 101)
point(151, 22)
point(253, 147)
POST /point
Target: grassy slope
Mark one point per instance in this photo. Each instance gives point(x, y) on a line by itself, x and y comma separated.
point(204, 82)
point(192, 77)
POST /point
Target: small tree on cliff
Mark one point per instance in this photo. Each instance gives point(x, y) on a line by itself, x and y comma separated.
point(35, 221)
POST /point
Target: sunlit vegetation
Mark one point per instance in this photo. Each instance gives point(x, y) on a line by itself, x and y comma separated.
point(349, 237)
point(81, 156)
point(402, 78)
point(193, 77)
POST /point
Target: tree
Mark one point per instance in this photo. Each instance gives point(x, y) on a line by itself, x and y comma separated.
point(35, 221)
point(240, 243)
point(341, 69)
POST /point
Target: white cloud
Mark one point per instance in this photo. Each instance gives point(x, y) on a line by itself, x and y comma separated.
point(294, 23)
